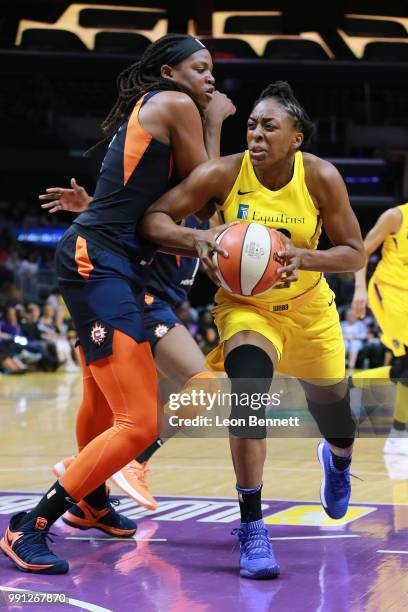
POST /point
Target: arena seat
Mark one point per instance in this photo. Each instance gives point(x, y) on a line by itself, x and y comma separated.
point(386, 52)
point(294, 49)
point(121, 42)
point(253, 24)
point(119, 19)
point(374, 27)
point(42, 39)
point(229, 48)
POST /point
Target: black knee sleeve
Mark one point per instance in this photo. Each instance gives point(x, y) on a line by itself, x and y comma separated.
point(399, 370)
point(335, 421)
point(250, 370)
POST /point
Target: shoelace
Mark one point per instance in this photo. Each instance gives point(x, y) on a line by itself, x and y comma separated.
point(35, 544)
point(113, 501)
point(255, 543)
point(139, 472)
point(341, 482)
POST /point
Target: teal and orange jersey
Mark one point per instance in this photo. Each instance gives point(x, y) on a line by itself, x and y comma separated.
point(135, 172)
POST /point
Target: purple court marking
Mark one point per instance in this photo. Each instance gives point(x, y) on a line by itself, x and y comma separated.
point(185, 560)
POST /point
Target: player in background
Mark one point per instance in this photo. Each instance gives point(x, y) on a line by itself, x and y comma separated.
point(387, 296)
point(294, 330)
point(156, 126)
point(171, 278)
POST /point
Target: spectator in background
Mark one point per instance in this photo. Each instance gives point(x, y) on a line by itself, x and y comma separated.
point(50, 333)
point(9, 361)
point(27, 274)
point(354, 334)
point(188, 316)
point(36, 342)
point(209, 340)
point(55, 300)
point(373, 351)
point(206, 321)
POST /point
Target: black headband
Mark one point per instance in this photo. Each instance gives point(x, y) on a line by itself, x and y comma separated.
point(182, 50)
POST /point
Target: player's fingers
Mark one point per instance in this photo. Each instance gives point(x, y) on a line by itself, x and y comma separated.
point(51, 204)
point(216, 248)
point(360, 308)
point(288, 269)
point(210, 269)
point(59, 190)
point(292, 277)
point(48, 196)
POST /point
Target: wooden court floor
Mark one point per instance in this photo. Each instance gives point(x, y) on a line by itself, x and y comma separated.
point(37, 415)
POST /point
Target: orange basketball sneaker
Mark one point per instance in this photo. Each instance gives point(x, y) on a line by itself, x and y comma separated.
point(131, 480)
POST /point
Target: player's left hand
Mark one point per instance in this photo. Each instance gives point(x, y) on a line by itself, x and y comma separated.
point(293, 260)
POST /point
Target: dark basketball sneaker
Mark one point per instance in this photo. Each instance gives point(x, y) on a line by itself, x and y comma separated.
point(83, 516)
point(27, 547)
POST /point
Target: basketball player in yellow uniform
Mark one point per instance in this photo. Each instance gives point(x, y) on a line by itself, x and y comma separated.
point(387, 297)
point(295, 329)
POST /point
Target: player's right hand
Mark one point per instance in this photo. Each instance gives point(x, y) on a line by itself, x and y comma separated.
point(220, 107)
point(75, 199)
point(359, 303)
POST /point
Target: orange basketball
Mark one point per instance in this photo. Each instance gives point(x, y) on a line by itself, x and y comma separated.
point(253, 262)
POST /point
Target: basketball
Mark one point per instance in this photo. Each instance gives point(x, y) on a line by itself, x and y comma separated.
point(253, 262)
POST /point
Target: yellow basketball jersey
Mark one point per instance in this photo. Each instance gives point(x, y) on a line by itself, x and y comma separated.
point(392, 269)
point(290, 208)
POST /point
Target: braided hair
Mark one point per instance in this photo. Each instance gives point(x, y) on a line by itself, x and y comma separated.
point(141, 77)
point(282, 92)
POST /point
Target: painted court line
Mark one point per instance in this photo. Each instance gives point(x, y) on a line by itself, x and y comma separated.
point(394, 552)
point(84, 605)
point(224, 497)
point(325, 537)
point(90, 538)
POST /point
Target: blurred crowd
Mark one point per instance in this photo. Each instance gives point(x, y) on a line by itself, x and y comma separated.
point(36, 332)
point(36, 338)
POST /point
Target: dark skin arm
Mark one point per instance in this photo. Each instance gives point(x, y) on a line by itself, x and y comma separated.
point(213, 181)
point(210, 182)
point(329, 193)
point(172, 118)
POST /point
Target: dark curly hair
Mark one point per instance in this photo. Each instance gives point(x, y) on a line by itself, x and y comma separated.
point(141, 77)
point(283, 93)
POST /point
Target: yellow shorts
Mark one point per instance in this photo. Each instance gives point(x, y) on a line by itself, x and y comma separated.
point(389, 306)
point(305, 333)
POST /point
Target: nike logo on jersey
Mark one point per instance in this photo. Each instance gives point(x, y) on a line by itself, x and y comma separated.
point(244, 192)
point(331, 301)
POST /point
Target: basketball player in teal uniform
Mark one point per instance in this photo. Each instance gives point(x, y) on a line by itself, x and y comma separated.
point(170, 279)
point(102, 267)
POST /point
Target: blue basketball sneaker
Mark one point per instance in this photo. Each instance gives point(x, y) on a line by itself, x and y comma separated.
point(27, 547)
point(335, 489)
point(257, 560)
point(84, 516)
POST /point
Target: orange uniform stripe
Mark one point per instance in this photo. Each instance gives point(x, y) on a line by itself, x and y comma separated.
point(136, 142)
point(82, 260)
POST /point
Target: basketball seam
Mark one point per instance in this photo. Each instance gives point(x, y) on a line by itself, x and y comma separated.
point(240, 259)
point(267, 263)
point(220, 274)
